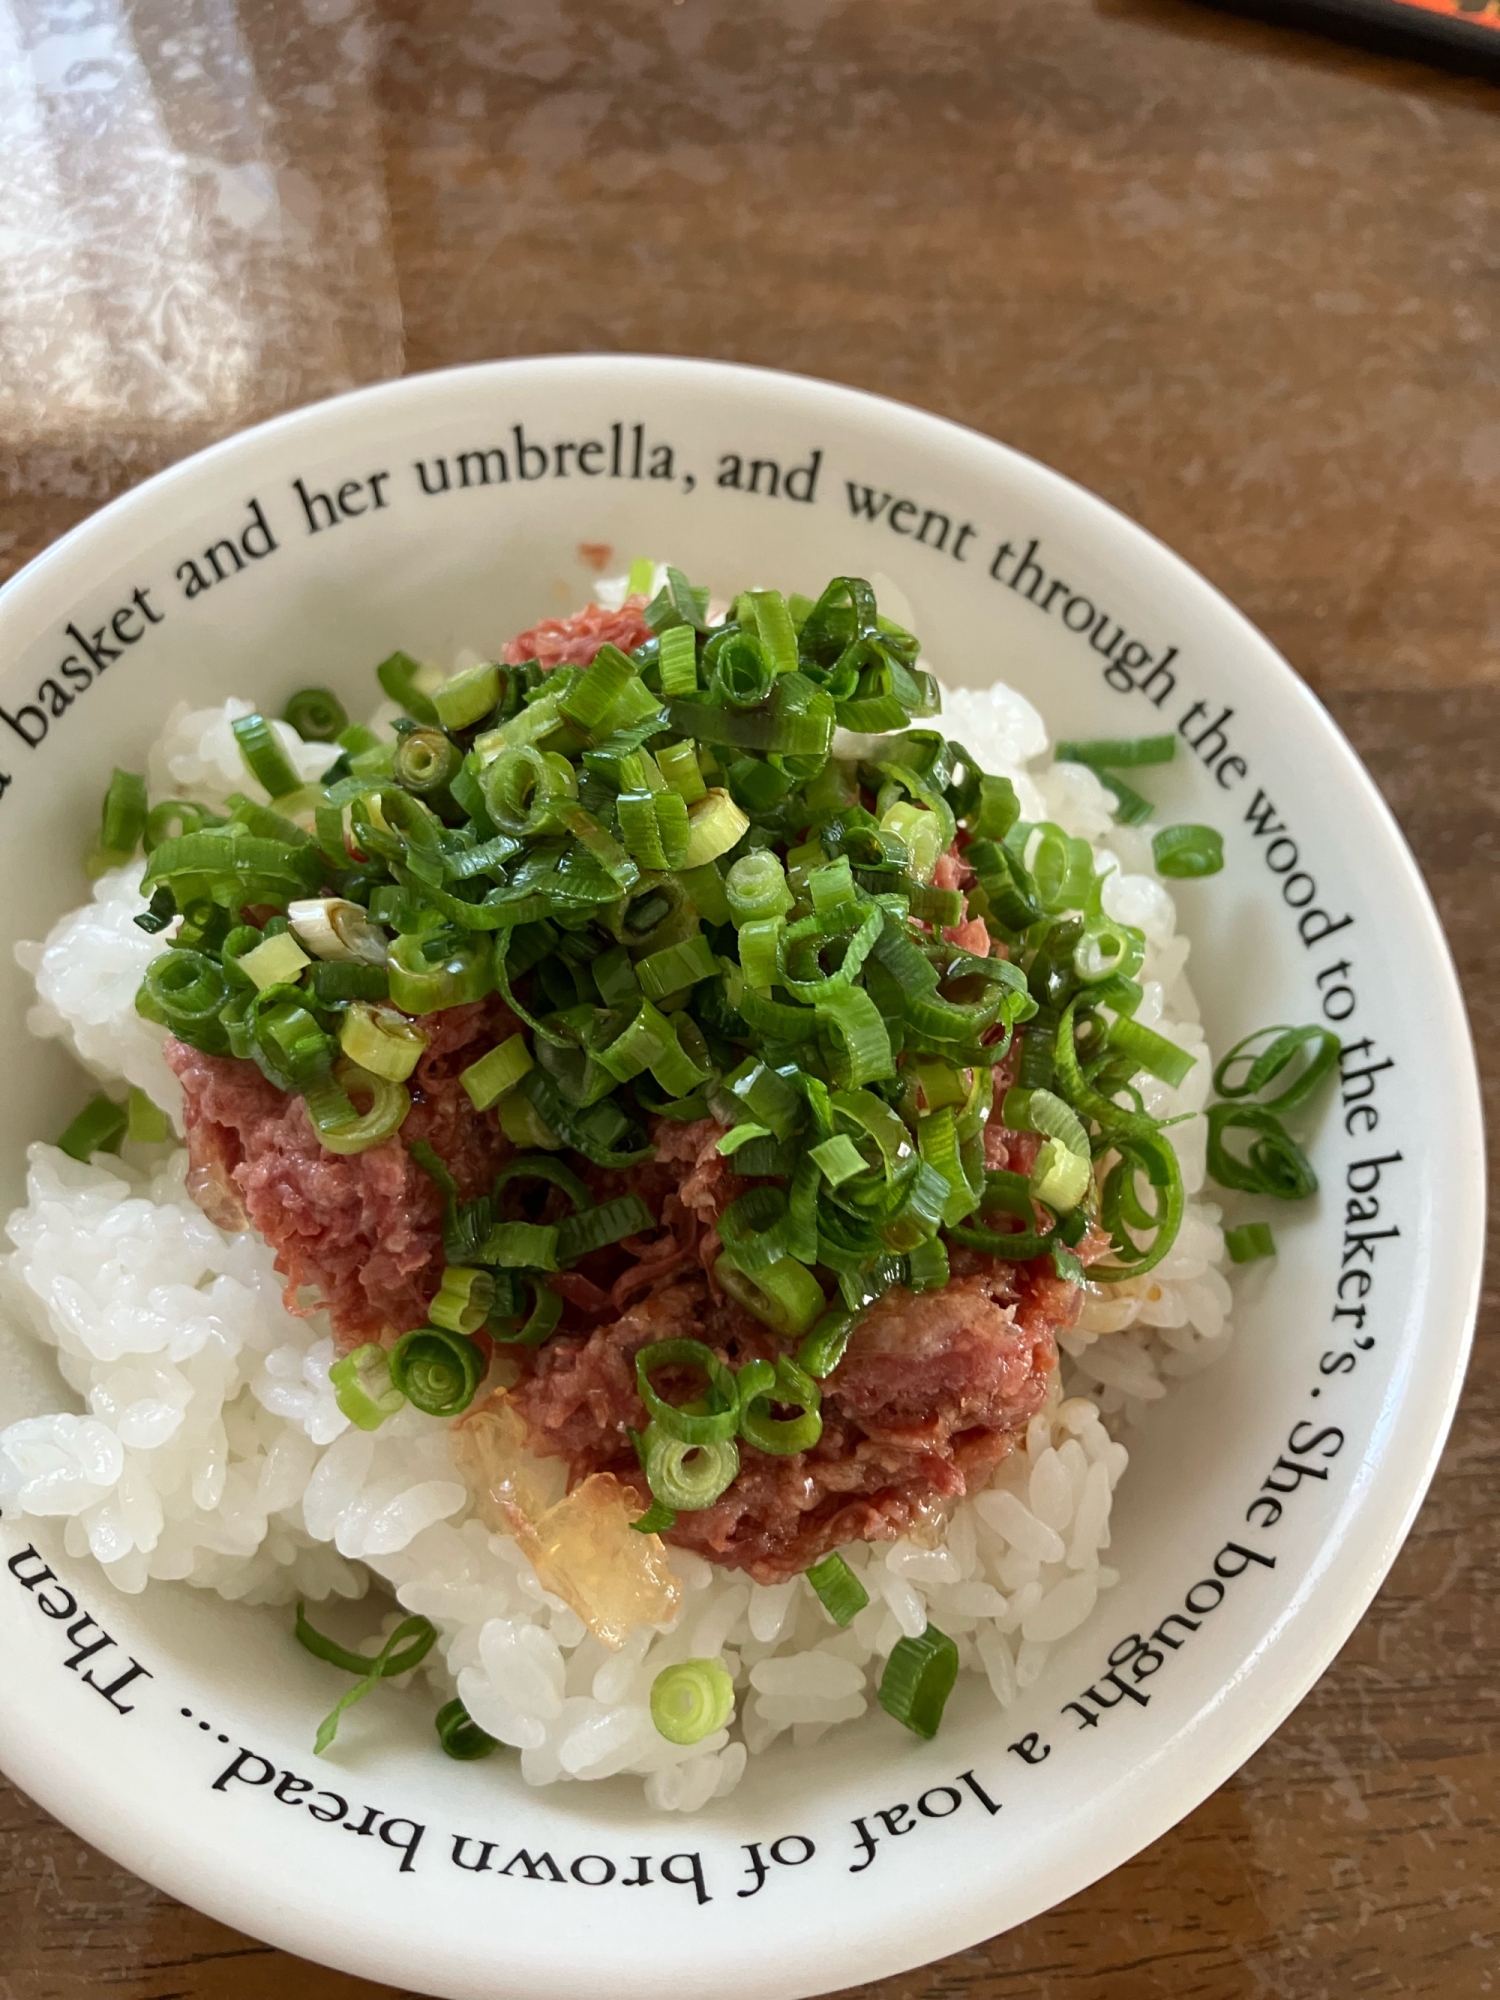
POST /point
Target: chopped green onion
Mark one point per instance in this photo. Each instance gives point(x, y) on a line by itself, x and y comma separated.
point(755, 888)
point(742, 1135)
point(760, 950)
point(742, 673)
point(692, 1700)
point(340, 1127)
point(540, 1167)
point(520, 1246)
point(406, 1647)
point(595, 693)
point(1252, 1240)
point(677, 603)
point(823, 1349)
point(435, 1367)
point(1152, 1051)
point(1119, 753)
point(468, 697)
point(773, 624)
point(277, 962)
point(518, 785)
point(839, 1159)
point(940, 1083)
point(264, 757)
point(927, 1264)
point(715, 824)
point(687, 1477)
point(1043, 1111)
point(656, 1520)
point(754, 1229)
point(1275, 1164)
point(839, 1590)
point(654, 827)
point(460, 1736)
point(861, 1045)
point(696, 914)
point(146, 1123)
point(678, 764)
point(678, 966)
point(463, 1300)
point(497, 1071)
point(1060, 1178)
point(922, 834)
point(1264, 1066)
point(686, 1424)
point(411, 1651)
point(546, 1311)
point(427, 975)
point(787, 1297)
point(679, 661)
point(381, 1041)
point(1108, 951)
point(423, 1156)
point(171, 818)
point(705, 887)
point(641, 577)
point(937, 1140)
point(287, 1043)
point(1126, 1215)
point(1131, 807)
point(605, 1223)
point(316, 715)
point(426, 762)
point(98, 1128)
point(123, 822)
point(918, 1680)
point(188, 991)
point(363, 1389)
point(1184, 853)
point(781, 1436)
point(399, 676)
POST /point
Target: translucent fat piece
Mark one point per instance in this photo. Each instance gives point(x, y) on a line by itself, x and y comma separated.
point(512, 1487)
point(218, 1197)
point(929, 1525)
point(585, 1551)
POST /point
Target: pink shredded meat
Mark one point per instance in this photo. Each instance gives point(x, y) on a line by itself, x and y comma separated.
point(932, 1393)
point(574, 641)
point(363, 1232)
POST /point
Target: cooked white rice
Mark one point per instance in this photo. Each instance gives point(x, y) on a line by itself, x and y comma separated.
point(210, 1449)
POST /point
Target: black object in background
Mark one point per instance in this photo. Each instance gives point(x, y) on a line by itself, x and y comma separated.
point(1458, 34)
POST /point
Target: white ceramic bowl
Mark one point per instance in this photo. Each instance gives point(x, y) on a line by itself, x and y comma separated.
point(1269, 1494)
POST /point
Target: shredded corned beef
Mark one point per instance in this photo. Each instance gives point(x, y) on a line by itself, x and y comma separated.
point(362, 1231)
point(930, 1396)
point(574, 641)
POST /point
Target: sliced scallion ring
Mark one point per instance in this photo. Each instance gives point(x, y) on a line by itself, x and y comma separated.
point(363, 1388)
point(687, 1477)
point(713, 1424)
point(692, 1700)
point(460, 1736)
point(437, 1369)
point(782, 1436)
point(918, 1680)
point(839, 1590)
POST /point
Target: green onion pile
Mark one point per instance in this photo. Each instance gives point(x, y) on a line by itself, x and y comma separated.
point(696, 911)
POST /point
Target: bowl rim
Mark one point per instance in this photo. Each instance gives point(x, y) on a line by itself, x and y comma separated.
point(289, 1914)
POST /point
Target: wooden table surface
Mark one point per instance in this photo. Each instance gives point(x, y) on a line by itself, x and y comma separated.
point(1242, 282)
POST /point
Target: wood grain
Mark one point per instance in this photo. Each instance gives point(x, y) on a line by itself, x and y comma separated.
point(1241, 282)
